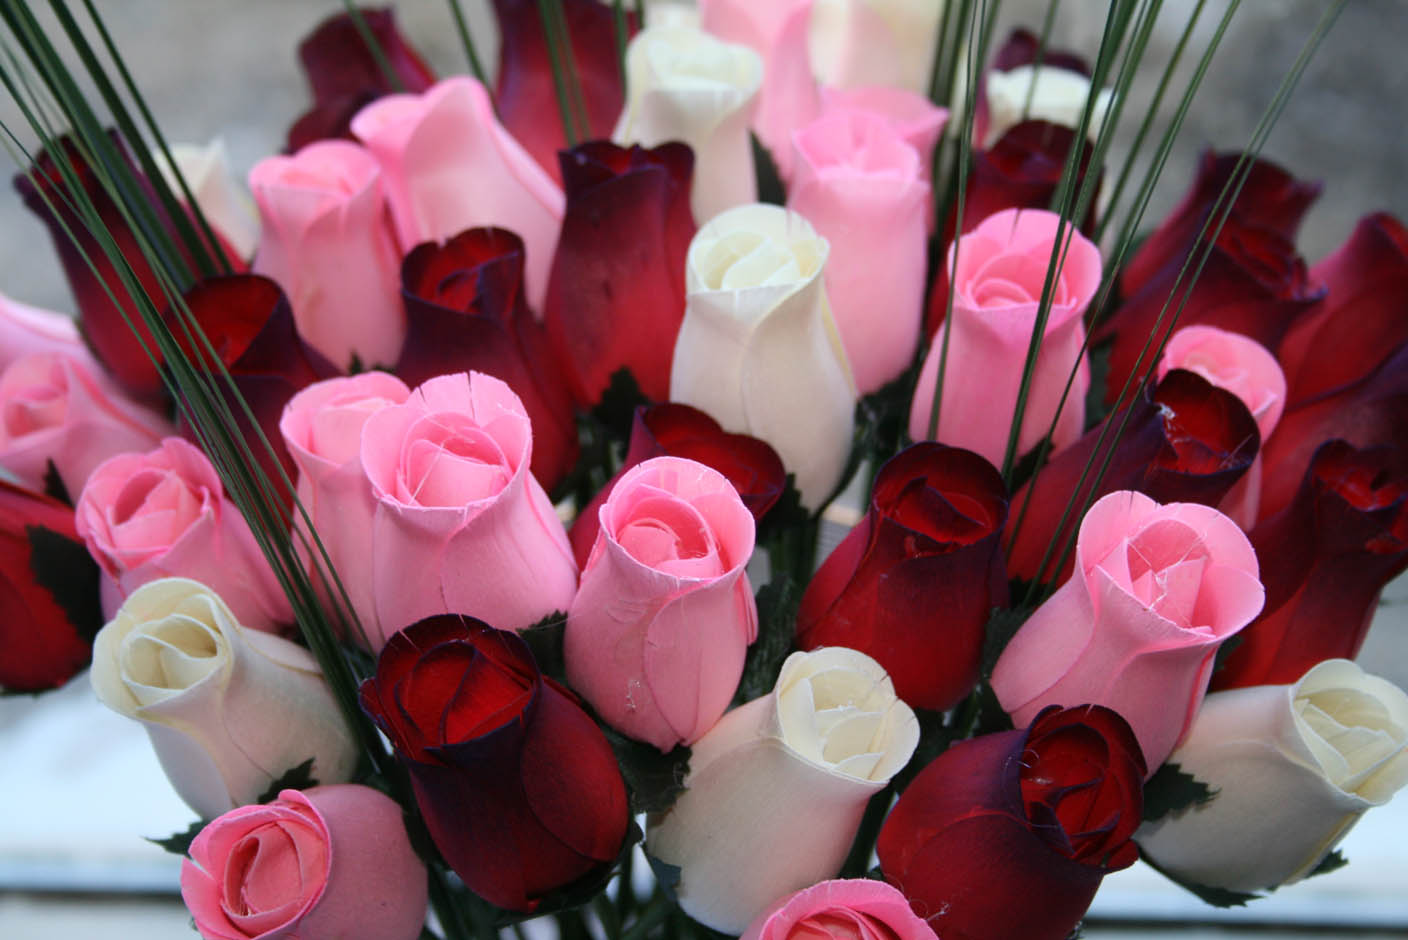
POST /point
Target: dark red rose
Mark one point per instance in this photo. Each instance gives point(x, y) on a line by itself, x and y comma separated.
point(1021, 49)
point(674, 430)
point(616, 295)
point(1006, 836)
point(518, 787)
point(344, 74)
point(525, 95)
point(1324, 559)
point(913, 584)
point(1187, 442)
point(49, 610)
point(465, 310)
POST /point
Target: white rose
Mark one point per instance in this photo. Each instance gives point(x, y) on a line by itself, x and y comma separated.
point(758, 348)
point(684, 84)
point(226, 205)
point(777, 788)
point(855, 43)
point(229, 710)
point(1059, 98)
point(1294, 766)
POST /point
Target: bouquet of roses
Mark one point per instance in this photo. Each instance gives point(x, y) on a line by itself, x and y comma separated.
point(452, 529)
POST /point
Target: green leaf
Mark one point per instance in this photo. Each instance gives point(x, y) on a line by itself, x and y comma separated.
point(54, 485)
point(653, 780)
point(777, 619)
point(616, 409)
point(770, 188)
point(1171, 790)
point(544, 638)
point(1331, 862)
point(64, 568)
point(786, 513)
point(1002, 626)
point(179, 843)
point(1095, 407)
point(1217, 897)
point(1225, 650)
point(295, 778)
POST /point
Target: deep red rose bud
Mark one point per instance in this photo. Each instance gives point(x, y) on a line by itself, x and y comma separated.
point(913, 584)
point(49, 610)
point(616, 295)
point(518, 787)
point(1021, 48)
point(465, 310)
point(1186, 442)
point(1008, 835)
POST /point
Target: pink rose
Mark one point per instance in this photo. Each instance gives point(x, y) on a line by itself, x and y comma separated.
point(789, 97)
point(1001, 271)
point(330, 861)
point(322, 427)
point(449, 165)
point(657, 633)
point(747, 22)
point(164, 514)
point(327, 242)
point(461, 526)
point(863, 189)
point(1156, 589)
point(25, 329)
point(54, 408)
point(844, 909)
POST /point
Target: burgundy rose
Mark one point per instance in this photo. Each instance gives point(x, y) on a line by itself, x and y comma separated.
point(1006, 836)
point(518, 787)
point(913, 584)
point(1186, 442)
point(616, 295)
point(674, 430)
point(1021, 48)
point(465, 310)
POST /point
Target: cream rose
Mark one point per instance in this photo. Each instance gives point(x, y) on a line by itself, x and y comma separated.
point(225, 204)
point(1059, 97)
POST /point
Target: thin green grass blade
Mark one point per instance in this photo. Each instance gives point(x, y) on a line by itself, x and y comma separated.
point(1048, 21)
point(620, 31)
point(462, 27)
point(359, 23)
point(559, 77)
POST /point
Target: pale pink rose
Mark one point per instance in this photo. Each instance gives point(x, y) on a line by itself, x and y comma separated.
point(461, 526)
point(25, 329)
point(164, 514)
point(1246, 369)
point(789, 97)
point(748, 22)
point(327, 862)
point(863, 189)
point(844, 909)
point(54, 408)
point(1156, 590)
point(449, 165)
point(328, 244)
point(1001, 271)
point(657, 633)
point(322, 427)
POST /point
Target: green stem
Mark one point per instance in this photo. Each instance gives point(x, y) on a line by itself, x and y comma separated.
point(651, 915)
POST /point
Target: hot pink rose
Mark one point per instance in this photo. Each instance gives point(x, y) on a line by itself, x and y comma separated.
point(449, 165)
point(1001, 272)
point(1156, 589)
point(845, 909)
point(53, 408)
point(322, 427)
point(163, 514)
point(863, 189)
point(25, 329)
point(461, 526)
point(327, 242)
point(330, 861)
point(657, 633)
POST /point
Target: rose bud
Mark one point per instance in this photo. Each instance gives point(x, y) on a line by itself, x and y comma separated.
point(754, 25)
point(1156, 590)
point(460, 524)
point(228, 709)
point(322, 428)
point(55, 411)
point(685, 85)
point(164, 514)
point(223, 202)
point(1043, 92)
point(865, 191)
point(1324, 560)
point(1008, 835)
point(1293, 768)
point(50, 608)
point(790, 96)
point(616, 296)
point(916, 119)
point(658, 631)
point(852, 908)
point(675, 430)
point(1002, 266)
point(758, 349)
point(330, 861)
point(25, 330)
point(465, 312)
point(477, 726)
point(792, 769)
point(449, 165)
point(327, 242)
point(914, 583)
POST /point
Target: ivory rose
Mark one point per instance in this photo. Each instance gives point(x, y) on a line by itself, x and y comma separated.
point(998, 285)
point(223, 202)
point(1293, 767)
point(758, 349)
point(1042, 93)
point(228, 709)
point(845, 909)
point(657, 633)
point(777, 788)
point(1156, 590)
